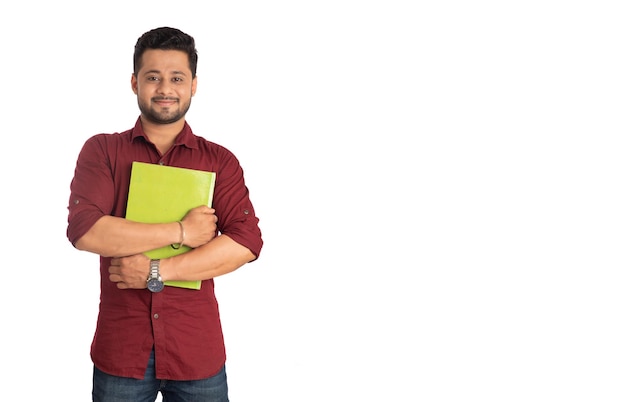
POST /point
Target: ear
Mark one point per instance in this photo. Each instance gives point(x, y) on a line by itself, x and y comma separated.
point(194, 85)
point(133, 83)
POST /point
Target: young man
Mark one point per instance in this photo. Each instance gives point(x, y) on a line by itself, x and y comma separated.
point(160, 339)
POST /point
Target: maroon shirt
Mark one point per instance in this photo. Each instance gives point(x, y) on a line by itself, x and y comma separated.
point(182, 325)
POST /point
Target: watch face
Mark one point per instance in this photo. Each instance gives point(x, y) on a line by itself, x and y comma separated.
point(155, 285)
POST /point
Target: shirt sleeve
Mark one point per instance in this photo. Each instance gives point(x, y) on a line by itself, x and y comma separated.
point(233, 207)
point(91, 189)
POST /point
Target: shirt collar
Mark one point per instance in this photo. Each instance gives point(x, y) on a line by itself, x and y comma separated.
point(185, 137)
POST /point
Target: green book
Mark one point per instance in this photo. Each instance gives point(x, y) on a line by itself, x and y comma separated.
point(160, 194)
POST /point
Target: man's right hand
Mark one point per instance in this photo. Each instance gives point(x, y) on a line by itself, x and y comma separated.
point(200, 225)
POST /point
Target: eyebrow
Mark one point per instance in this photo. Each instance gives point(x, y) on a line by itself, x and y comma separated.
point(175, 72)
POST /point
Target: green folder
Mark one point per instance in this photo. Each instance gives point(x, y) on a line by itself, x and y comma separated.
point(160, 194)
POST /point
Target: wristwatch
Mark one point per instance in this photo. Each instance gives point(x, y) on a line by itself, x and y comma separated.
point(155, 283)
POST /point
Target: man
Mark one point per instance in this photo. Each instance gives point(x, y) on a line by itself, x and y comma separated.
point(164, 339)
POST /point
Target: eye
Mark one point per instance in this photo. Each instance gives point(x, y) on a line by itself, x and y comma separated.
point(152, 78)
point(177, 79)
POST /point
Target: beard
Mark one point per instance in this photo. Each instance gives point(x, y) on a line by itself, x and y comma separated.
point(164, 115)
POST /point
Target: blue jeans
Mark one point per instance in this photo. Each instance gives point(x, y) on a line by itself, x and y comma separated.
point(109, 388)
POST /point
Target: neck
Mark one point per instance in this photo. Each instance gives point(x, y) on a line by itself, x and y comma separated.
point(162, 135)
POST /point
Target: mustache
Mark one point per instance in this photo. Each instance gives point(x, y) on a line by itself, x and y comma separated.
point(164, 98)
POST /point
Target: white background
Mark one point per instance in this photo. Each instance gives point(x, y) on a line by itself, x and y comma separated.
point(440, 186)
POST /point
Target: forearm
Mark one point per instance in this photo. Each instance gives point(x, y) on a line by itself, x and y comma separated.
point(117, 237)
point(218, 257)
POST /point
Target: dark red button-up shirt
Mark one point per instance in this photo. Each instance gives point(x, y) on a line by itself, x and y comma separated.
point(182, 325)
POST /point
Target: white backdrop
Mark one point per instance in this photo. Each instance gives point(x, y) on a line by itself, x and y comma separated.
point(440, 187)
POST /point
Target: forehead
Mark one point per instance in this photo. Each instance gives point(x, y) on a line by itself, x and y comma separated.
point(165, 61)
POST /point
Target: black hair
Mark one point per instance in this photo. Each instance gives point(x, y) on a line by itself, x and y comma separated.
point(166, 38)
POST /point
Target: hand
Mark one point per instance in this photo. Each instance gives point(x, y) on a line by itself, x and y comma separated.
point(200, 225)
point(130, 272)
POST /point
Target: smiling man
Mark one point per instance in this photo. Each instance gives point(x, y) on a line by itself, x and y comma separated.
point(163, 89)
point(167, 339)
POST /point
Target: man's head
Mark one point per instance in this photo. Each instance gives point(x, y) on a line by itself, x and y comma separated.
point(164, 76)
point(166, 38)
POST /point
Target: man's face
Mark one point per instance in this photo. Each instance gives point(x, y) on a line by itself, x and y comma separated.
point(164, 85)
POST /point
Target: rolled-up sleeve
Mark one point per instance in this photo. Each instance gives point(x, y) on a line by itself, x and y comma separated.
point(91, 189)
point(236, 216)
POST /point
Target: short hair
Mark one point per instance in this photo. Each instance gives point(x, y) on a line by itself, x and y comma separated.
point(166, 38)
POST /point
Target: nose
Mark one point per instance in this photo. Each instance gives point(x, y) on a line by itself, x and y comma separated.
point(164, 87)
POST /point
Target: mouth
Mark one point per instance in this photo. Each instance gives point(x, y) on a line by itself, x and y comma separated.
point(164, 102)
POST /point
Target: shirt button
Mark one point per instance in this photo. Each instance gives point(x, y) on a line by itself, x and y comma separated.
point(246, 212)
point(156, 316)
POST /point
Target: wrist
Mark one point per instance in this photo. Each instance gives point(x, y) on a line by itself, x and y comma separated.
point(181, 240)
point(155, 281)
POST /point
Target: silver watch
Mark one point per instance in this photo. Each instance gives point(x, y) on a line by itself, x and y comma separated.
point(155, 283)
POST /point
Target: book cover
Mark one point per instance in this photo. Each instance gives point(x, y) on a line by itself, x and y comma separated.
point(159, 194)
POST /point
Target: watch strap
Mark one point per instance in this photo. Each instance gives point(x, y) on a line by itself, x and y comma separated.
point(154, 269)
